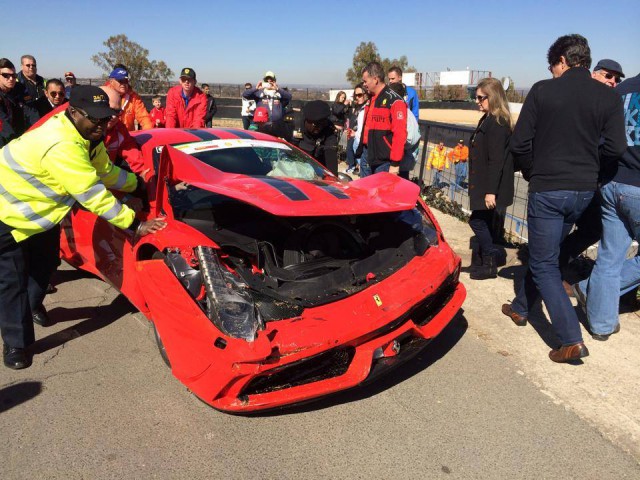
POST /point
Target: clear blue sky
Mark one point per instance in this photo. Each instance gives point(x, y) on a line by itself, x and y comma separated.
point(314, 42)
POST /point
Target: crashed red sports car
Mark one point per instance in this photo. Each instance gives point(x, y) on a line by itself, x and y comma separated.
point(274, 283)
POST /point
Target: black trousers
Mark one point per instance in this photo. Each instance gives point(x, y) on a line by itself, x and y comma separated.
point(25, 272)
point(481, 222)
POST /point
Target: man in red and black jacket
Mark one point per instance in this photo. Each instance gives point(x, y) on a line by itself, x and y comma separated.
point(385, 125)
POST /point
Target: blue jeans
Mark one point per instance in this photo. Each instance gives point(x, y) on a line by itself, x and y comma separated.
point(612, 274)
point(351, 156)
point(550, 216)
point(461, 173)
point(436, 180)
point(365, 168)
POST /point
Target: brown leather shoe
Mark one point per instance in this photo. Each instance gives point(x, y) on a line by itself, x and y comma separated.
point(569, 353)
point(516, 317)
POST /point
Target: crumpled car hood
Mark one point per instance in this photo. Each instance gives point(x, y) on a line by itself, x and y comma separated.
point(378, 193)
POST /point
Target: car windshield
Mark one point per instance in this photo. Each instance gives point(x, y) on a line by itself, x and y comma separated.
point(255, 158)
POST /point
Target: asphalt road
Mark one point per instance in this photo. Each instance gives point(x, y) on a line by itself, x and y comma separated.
point(100, 403)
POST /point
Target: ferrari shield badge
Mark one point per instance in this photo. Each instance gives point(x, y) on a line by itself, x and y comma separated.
point(377, 299)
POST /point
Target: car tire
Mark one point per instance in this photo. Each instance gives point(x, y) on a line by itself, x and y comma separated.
point(161, 349)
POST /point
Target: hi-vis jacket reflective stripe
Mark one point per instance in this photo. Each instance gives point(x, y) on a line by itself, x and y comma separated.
point(46, 170)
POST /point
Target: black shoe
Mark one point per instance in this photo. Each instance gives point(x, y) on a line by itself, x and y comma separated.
point(476, 259)
point(40, 317)
point(604, 338)
point(16, 358)
point(487, 270)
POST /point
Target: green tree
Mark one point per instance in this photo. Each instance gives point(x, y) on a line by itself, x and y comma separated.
point(122, 50)
point(367, 52)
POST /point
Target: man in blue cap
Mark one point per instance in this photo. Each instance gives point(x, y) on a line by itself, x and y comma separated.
point(608, 72)
point(132, 107)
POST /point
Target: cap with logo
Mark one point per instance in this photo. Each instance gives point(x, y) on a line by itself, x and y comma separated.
point(188, 72)
point(92, 100)
point(119, 74)
point(269, 74)
point(610, 65)
point(261, 115)
point(69, 75)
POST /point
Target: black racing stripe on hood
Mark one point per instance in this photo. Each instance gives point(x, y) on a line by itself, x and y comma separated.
point(336, 192)
point(290, 191)
point(202, 134)
point(241, 134)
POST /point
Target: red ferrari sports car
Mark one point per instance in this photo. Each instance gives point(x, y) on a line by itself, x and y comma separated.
point(274, 283)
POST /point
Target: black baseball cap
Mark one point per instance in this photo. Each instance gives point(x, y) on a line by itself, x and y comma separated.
point(610, 65)
point(188, 72)
point(92, 100)
point(316, 111)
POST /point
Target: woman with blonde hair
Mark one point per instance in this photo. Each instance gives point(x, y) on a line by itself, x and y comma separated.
point(490, 174)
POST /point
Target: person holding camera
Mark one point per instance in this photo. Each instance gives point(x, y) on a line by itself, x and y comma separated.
point(268, 94)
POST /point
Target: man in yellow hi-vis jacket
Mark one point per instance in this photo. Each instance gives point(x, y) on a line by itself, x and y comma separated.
point(42, 174)
point(439, 161)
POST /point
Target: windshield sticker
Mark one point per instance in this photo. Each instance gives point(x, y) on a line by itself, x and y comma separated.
point(195, 147)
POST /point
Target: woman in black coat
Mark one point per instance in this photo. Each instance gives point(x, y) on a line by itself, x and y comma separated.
point(490, 174)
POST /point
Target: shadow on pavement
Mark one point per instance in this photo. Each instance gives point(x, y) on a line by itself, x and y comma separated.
point(99, 317)
point(64, 276)
point(434, 351)
point(18, 393)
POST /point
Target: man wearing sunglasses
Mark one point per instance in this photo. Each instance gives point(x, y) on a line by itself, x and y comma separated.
point(43, 174)
point(12, 99)
point(568, 127)
point(608, 72)
point(54, 96)
point(132, 107)
point(28, 76)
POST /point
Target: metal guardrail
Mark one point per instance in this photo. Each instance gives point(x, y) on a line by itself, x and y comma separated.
point(432, 133)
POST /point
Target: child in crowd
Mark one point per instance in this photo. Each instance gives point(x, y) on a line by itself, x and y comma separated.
point(157, 113)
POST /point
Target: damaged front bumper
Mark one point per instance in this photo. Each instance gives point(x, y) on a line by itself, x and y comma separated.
point(342, 345)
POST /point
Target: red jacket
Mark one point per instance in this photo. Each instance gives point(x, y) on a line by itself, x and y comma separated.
point(191, 116)
point(158, 117)
point(121, 145)
point(385, 128)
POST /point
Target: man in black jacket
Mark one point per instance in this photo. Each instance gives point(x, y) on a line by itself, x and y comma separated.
point(566, 126)
point(54, 96)
point(319, 135)
point(212, 108)
point(28, 76)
